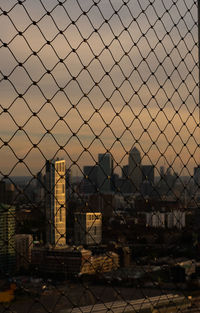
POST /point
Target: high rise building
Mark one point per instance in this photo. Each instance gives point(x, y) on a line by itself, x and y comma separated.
point(7, 239)
point(125, 171)
point(135, 172)
point(88, 228)
point(105, 172)
point(147, 187)
point(39, 188)
point(68, 180)
point(7, 193)
point(148, 173)
point(55, 181)
point(2, 192)
point(23, 246)
point(89, 183)
point(196, 178)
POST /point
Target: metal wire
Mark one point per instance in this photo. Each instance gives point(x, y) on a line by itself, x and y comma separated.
point(112, 87)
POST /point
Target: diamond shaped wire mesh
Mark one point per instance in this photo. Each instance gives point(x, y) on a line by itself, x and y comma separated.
point(99, 150)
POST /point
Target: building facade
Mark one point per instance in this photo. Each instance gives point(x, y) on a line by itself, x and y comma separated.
point(135, 172)
point(173, 219)
point(56, 202)
point(148, 177)
point(88, 228)
point(89, 183)
point(7, 240)
point(69, 262)
point(105, 172)
point(155, 219)
point(23, 246)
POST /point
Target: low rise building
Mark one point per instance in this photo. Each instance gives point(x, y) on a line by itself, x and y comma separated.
point(155, 219)
point(172, 219)
point(70, 261)
point(176, 219)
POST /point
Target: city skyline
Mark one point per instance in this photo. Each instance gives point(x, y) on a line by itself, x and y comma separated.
point(99, 155)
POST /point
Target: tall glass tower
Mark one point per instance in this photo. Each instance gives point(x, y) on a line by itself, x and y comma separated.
point(56, 202)
point(105, 172)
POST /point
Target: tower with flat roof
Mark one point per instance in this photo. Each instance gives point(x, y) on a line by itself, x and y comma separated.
point(7, 240)
point(105, 172)
point(56, 202)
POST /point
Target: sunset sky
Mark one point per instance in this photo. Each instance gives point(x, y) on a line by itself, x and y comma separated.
point(110, 69)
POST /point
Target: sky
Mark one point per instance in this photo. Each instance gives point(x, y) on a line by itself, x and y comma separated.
point(118, 74)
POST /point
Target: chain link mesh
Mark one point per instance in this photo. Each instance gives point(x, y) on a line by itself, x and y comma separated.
point(99, 150)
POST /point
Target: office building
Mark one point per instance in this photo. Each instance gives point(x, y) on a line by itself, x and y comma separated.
point(8, 193)
point(147, 186)
point(173, 219)
point(135, 172)
point(23, 246)
point(89, 183)
point(69, 262)
point(68, 181)
point(7, 240)
point(155, 219)
point(2, 192)
point(105, 172)
point(176, 218)
point(196, 178)
point(56, 202)
point(88, 228)
point(148, 173)
point(125, 171)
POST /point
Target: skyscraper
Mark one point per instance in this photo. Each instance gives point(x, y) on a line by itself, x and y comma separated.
point(88, 228)
point(105, 172)
point(147, 186)
point(196, 178)
point(7, 239)
point(135, 172)
point(89, 183)
point(56, 202)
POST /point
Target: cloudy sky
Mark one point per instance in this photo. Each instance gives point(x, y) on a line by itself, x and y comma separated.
point(79, 78)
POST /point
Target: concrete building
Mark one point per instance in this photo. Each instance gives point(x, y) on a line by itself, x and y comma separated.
point(148, 173)
point(8, 193)
point(196, 175)
point(23, 246)
point(39, 188)
point(105, 172)
point(89, 184)
point(2, 192)
point(176, 218)
point(59, 262)
point(7, 241)
point(68, 182)
point(88, 228)
point(125, 171)
point(56, 202)
point(106, 203)
point(196, 179)
point(135, 172)
point(147, 186)
point(155, 219)
point(68, 262)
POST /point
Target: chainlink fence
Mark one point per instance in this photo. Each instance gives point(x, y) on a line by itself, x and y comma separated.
point(99, 151)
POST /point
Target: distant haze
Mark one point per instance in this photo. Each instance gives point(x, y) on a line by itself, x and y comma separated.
point(114, 88)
